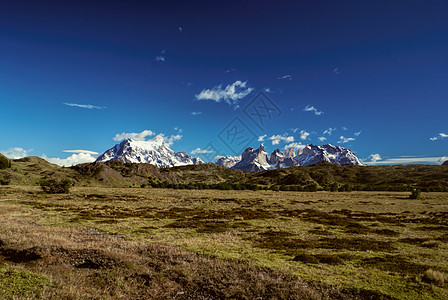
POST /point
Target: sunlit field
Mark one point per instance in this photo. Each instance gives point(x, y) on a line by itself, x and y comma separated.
point(150, 243)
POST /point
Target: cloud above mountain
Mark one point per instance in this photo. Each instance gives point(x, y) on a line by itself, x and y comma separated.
point(231, 94)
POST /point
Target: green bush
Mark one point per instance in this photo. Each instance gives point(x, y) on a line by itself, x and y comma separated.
point(54, 186)
point(4, 162)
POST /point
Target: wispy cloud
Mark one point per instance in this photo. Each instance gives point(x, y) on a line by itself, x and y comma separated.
point(322, 138)
point(376, 159)
point(139, 136)
point(313, 109)
point(231, 94)
point(262, 137)
point(439, 137)
point(276, 139)
point(329, 131)
point(15, 152)
point(74, 159)
point(336, 71)
point(200, 151)
point(161, 57)
point(285, 77)
point(178, 129)
point(87, 106)
point(81, 151)
point(196, 113)
point(230, 70)
point(180, 29)
point(357, 133)
point(344, 139)
point(344, 128)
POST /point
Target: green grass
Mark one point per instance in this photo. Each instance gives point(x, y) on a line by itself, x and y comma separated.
point(380, 242)
point(16, 284)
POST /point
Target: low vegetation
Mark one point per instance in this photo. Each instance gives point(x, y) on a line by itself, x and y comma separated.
point(155, 243)
point(319, 177)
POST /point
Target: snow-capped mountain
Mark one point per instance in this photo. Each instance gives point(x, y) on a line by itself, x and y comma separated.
point(338, 155)
point(258, 160)
point(154, 151)
point(228, 161)
point(253, 160)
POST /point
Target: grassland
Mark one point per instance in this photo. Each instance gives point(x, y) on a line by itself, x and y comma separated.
point(130, 243)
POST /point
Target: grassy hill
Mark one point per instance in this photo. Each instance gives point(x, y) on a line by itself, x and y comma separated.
point(31, 170)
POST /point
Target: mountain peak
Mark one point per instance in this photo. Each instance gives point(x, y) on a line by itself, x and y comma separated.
point(154, 151)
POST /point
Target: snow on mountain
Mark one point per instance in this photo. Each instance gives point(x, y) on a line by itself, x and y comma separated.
point(338, 155)
point(228, 161)
point(154, 151)
point(253, 160)
point(257, 159)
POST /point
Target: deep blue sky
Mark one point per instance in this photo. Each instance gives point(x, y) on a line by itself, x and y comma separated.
point(378, 70)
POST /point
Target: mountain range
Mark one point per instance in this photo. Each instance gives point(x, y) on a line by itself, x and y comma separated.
point(158, 153)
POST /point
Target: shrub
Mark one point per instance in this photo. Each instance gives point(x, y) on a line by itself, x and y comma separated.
point(53, 186)
point(434, 276)
point(4, 162)
point(334, 187)
point(415, 194)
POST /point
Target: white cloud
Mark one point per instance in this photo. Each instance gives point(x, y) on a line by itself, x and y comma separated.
point(295, 146)
point(287, 77)
point(196, 113)
point(139, 136)
point(81, 151)
point(336, 71)
point(440, 136)
point(200, 151)
point(304, 135)
point(230, 94)
point(72, 160)
point(322, 138)
point(408, 160)
point(373, 158)
point(262, 137)
point(178, 130)
point(313, 109)
point(230, 70)
point(88, 106)
point(344, 128)
point(169, 140)
point(276, 139)
point(344, 139)
point(180, 28)
point(160, 58)
point(329, 131)
point(15, 152)
point(267, 90)
point(357, 133)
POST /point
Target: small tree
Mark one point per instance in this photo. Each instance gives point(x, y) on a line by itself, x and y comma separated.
point(415, 194)
point(53, 186)
point(4, 162)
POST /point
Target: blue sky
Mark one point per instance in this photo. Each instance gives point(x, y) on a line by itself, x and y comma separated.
point(371, 76)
